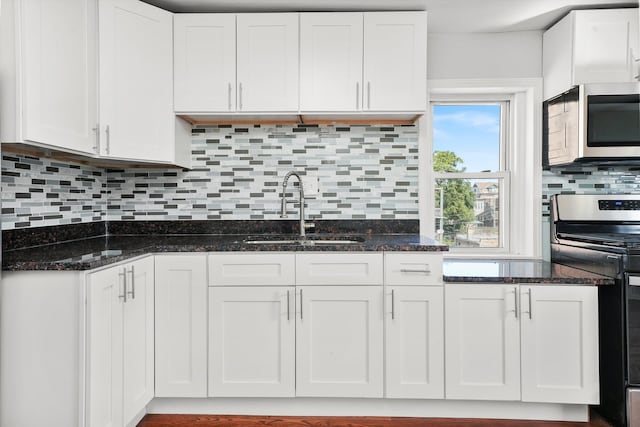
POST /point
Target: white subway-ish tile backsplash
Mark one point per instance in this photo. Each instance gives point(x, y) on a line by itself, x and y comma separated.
point(364, 172)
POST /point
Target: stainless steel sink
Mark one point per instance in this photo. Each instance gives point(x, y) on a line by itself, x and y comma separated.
point(305, 241)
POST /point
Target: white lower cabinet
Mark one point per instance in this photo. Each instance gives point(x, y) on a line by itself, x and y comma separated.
point(252, 342)
point(559, 330)
point(120, 343)
point(181, 325)
point(516, 342)
point(414, 347)
point(482, 342)
point(285, 341)
point(339, 344)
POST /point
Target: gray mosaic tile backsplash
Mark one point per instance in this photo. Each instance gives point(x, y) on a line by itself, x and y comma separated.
point(41, 192)
point(582, 179)
point(364, 172)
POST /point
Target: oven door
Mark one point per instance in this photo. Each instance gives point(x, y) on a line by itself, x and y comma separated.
point(633, 329)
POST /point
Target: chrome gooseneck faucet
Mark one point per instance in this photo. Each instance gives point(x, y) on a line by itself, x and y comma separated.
point(283, 207)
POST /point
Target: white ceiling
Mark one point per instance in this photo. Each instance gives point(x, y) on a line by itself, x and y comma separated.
point(444, 15)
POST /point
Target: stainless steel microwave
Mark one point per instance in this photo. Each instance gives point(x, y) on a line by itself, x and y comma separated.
point(592, 123)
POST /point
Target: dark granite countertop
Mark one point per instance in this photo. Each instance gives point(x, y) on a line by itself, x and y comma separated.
point(94, 252)
point(518, 271)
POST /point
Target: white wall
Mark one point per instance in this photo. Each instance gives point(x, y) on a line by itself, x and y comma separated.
point(484, 55)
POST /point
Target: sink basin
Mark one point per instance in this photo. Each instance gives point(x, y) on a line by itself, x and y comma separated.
point(304, 241)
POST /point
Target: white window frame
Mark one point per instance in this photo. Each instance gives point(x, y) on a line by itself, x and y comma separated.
point(522, 195)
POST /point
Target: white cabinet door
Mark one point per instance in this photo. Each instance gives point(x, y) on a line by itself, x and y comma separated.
point(105, 290)
point(482, 342)
point(331, 61)
point(138, 337)
point(604, 45)
point(395, 61)
point(204, 62)
point(57, 67)
point(136, 81)
point(414, 342)
point(590, 46)
point(559, 344)
point(181, 325)
point(267, 61)
point(339, 345)
point(251, 342)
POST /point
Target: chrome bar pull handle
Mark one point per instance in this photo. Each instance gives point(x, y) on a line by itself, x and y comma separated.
point(357, 95)
point(132, 292)
point(107, 132)
point(229, 94)
point(530, 303)
point(409, 270)
point(301, 304)
point(240, 96)
point(123, 275)
point(288, 313)
point(393, 305)
point(515, 301)
point(368, 95)
point(96, 146)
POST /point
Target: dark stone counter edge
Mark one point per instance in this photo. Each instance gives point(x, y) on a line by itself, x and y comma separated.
point(239, 247)
point(595, 281)
point(36, 236)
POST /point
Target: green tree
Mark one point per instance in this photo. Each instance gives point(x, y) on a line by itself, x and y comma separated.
point(458, 195)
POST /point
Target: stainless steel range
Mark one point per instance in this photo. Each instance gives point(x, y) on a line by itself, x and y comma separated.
point(601, 234)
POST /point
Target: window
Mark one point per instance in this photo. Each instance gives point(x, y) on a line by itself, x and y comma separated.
point(493, 128)
point(471, 173)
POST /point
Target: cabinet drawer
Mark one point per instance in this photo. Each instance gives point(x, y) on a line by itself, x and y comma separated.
point(252, 269)
point(412, 268)
point(339, 269)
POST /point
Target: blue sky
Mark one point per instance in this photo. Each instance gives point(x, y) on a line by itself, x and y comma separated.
point(471, 131)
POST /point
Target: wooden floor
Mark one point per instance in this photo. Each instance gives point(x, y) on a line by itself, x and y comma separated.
point(251, 421)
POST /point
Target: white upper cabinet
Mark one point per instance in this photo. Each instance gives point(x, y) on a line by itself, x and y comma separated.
point(395, 61)
point(204, 62)
point(605, 45)
point(325, 62)
point(236, 63)
point(366, 62)
point(267, 62)
point(331, 61)
point(136, 81)
point(591, 46)
point(48, 87)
